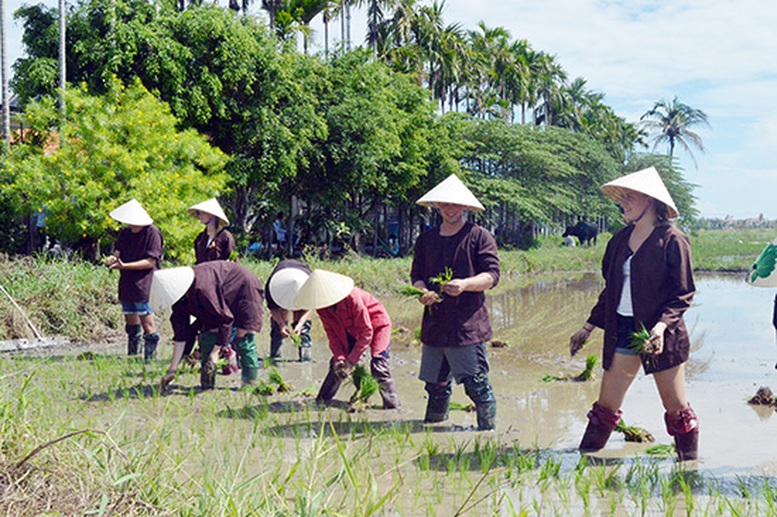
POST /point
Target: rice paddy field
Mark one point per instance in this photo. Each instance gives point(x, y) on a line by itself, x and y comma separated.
point(85, 430)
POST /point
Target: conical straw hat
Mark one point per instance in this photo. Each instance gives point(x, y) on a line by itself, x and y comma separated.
point(168, 286)
point(132, 213)
point(451, 190)
point(648, 182)
point(764, 271)
point(284, 286)
point(211, 207)
point(323, 289)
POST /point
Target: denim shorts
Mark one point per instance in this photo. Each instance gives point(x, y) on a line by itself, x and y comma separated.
point(625, 330)
point(139, 308)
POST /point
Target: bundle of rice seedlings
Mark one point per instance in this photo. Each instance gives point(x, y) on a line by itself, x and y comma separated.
point(366, 386)
point(296, 339)
point(641, 341)
point(633, 433)
point(763, 397)
point(443, 278)
point(263, 389)
point(458, 406)
point(275, 377)
point(588, 373)
point(411, 291)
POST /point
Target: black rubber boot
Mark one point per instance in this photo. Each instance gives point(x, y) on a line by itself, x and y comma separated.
point(388, 389)
point(150, 342)
point(134, 336)
point(478, 388)
point(438, 403)
point(208, 375)
point(305, 343)
point(329, 387)
point(684, 426)
point(601, 422)
point(276, 340)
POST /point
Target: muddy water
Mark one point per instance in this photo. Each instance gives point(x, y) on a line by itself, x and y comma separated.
point(734, 353)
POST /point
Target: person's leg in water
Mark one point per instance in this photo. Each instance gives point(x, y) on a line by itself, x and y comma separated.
point(605, 413)
point(680, 418)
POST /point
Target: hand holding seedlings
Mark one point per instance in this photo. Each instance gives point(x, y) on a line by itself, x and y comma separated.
point(342, 369)
point(425, 296)
point(649, 343)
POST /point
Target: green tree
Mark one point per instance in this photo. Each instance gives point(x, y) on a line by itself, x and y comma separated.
point(671, 122)
point(120, 145)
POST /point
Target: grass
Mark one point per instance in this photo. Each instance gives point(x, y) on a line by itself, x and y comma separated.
point(92, 435)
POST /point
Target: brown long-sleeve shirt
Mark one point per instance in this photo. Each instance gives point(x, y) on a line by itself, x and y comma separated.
point(662, 289)
point(461, 320)
point(220, 248)
point(223, 295)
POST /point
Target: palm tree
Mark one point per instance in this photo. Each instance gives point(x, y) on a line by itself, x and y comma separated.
point(671, 123)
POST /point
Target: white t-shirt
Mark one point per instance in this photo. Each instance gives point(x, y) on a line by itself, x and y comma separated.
point(625, 307)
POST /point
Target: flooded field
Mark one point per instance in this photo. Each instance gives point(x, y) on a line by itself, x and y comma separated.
point(283, 452)
point(734, 354)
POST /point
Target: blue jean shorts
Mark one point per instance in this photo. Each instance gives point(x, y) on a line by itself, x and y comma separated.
point(625, 330)
point(139, 308)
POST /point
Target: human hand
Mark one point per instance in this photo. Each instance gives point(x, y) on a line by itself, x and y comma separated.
point(342, 369)
point(656, 341)
point(429, 298)
point(285, 331)
point(454, 288)
point(578, 339)
point(116, 264)
point(110, 261)
point(166, 380)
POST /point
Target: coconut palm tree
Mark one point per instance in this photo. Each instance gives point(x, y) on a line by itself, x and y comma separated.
point(670, 121)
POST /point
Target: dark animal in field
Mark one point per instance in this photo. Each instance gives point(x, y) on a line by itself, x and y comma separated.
point(586, 232)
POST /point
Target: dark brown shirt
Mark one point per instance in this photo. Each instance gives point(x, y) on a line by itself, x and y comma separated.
point(461, 320)
point(283, 264)
point(223, 295)
point(220, 248)
point(135, 284)
point(662, 289)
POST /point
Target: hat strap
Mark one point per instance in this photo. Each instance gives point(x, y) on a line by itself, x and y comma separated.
point(644, 211)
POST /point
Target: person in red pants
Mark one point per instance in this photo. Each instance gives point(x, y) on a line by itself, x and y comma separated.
point(354, 322)
point(648, 284)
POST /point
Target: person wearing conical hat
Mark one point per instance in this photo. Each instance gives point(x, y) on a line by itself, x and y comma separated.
point(648, 285)
point(220, 296)
point(355, 322)
point(281, 287)
point(455, 262)
point(138, 253)
point(215, 242)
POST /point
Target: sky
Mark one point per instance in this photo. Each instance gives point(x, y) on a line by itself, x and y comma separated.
point(719, 56)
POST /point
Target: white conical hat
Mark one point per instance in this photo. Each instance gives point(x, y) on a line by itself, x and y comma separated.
point(323, 289)
point(168, 286)
point(211, 207)
point(132, 213)
point(648, 182)
point(284, 286)
point(764, 271)
point(451, 190)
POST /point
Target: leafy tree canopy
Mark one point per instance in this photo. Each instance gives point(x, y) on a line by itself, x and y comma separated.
point(117, 146)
